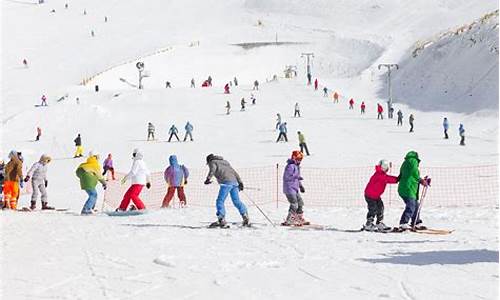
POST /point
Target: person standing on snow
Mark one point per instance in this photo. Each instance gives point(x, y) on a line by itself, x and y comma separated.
point(230, 183)
point(13, 175)
point(176, 176)
point(44, 101)
point(278, 121)
point(79, 147)
point(151, 131)
point(226, 89)
point(243, 102)
point(316, 84)
point(297, 110)
point(108, 166)
point(411, 119)
point(391, 112)
point(254, 100)
point(325, 92)
point(189, 131)
point(139, 175)
point(89, 174)
point(38, 133)
point(25, 63)
point(302, 143)
point(192, 83)
point(256, 85)
point(461, 132)
point(292, 187)
point(38, 175)
point(380, 110)
point(235, 80)
point(363, 107)
point(309, 78)
point(335, 97)
point(168, 85)
point(373, 192)
point(283, 132)
point(400, 118)
point(209, 80)
point(173, 132)
point(446, 125)
point(228, 108)
point(351, 103)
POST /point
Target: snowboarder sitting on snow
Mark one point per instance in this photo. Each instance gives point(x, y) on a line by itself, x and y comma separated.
point(38, 175)
point(373, 192)
point(283, 132)
point(292, 187)
point(151, 131)
point(89, 174)
point(173, 132)
point(176, 176)
point(189, 131)
point(139, 175)
point(230, 183)
point(108, 166)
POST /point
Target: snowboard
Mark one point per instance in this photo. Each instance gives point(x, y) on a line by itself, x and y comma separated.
point(126, 213)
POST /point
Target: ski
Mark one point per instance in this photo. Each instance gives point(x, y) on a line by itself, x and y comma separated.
point(27, 209)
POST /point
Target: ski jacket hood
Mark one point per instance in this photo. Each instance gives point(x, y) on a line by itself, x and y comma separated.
point(175, 175)
point(409, 176)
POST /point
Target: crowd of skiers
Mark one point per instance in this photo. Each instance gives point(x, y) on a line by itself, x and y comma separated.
point(172, 132)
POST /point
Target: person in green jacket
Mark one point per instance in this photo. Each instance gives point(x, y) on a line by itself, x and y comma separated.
point(302, 143)
point(89, 174)
point(409, 181)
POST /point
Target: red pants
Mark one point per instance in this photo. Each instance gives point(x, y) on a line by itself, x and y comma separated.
point(170, 195)
point(132, 194)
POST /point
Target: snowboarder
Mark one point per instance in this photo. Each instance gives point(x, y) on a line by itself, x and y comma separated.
point(189, 131)
point(325, 92)
point(228, 108)
point(309, 77)
point(38, 175)
point(78, 145)
point(173, 132)
point(461, 132)
point(151, 131)
point(380, 110)
point(226, 89)
point(44, 101)
point(335, 97)
point(176, 176)
point(351, 103)
point(411, 119)
point(297, 110)
point(302, 143)
point(292, 187)
point(108, 166)
point(89, 174)
point(400, 118)
point(446, 125)
point(256, 85)
point(373, 192)
point(243, 102)
point(25, 63)
point(230, 183)
point(139, 176)
point(316, 84)
point(13, 176)
point(235, 80)
point(283, 132)
point(278, 121)
point(363, 107)
point(408, 190)
point(38, 133)
point(167, 85)
point(192, 83)
point(254, 100)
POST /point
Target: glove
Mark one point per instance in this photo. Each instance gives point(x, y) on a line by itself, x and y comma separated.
point(427, 180)
point(26, 179)
point(240, 186)
point(124, 179)
point(148, 185)
point(207, 181)
point(46, 182)
point(104, 186)
point(185, 181)
point(302, 189)
point(423, 181)
point(183, 203)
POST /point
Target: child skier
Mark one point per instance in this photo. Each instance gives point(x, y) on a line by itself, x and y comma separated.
point(151, 131)
point(374, 189)
point(173, 132)
point(139, 175)
point(176, 176)
point(283, 132)
point(292, 187)
point(38, 175)
point(230, 183)
point(89, 174)
point(363, 107)
point(13, 176)
point(446, 125)
point(189, 131)
point(79, 147)
point(108, 166)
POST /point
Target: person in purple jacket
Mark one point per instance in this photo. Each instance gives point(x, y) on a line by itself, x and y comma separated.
point(108, 166)
point(292, 187)
point(176, 176)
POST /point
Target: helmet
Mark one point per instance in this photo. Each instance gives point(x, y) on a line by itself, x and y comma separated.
point(384, 164)
point(210, 157)
point(297, 155)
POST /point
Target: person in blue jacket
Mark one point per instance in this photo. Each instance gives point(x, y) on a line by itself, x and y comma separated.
point(446, 125)
point(283, 132)
point(461, 132)
point(189, 131)
point(173, 132)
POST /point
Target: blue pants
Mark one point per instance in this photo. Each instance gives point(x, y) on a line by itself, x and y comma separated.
point(410, 212)
point(89, 205)
point(232, 189)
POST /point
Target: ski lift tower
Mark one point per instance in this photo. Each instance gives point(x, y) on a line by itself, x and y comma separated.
point(309, 56)
point(140, 67)
point(389, 68)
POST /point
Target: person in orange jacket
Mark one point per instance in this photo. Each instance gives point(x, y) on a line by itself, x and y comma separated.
point(335, 97)
point(13, 174)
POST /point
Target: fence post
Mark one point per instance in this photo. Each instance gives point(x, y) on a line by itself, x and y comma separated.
point(277, 184)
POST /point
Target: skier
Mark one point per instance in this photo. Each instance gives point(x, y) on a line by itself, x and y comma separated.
point(79, 147)
point(461, 132)
point(92, 33)
point(254, 100)
point(38, 133)
point(108, 166)
point(77, 100)
point(297, 110)
point(309, 77)
point(176, 176)
point(351, 103)
point(256, 85)
point(446, 125)
point(363, 107)
point(209, 80)
point(13, 176)
point(391, 112)
point(89, 174)
point(408, 190)
point(335, 97)
point(189, 131)
point(226, 88)
point(243, 102)
point(302, 143)
point(44, 101)
point(400, 118)
point(235, 81)
point(38, 175)
point(192, 83)
point(278, 121)
point(292, 187)
point(66, 5)
point(105, 19)
point(316, 84)
point(151, 131)
point(139, 176)
point(325, 92)
point(230, 183)
point(228, 108)
point(173, 132)
point(167, 85)
point(373, 192)
point(411, 119)
point(380, 110)
point(283, 132)
point(25, 63)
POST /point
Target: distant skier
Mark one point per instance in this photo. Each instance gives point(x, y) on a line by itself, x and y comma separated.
point(373, 192)
point(391, 112)
point(297, 110)
point(78, 145)
point(173, 132)
point(278, 121)
point(38, 133)
point(77, 100)
point(228, 108)
point(44, 101)
point(256, 85)
point(230, 183)
point(192, 83)
point(151, 131)
point(13, 177)
point(84, 12)
point(380, 110)
point(139, 176)
point(363, 107)
point(226, 89)
point(205, 84)
point(209, 80)
point(309, 77)
point(411, 119)
point(108, 166)
point(243, 102)
point(461, 132)
point(292, 187)
point(351, 103)
point(105, 19)
point(325, 92)
point(89, 174)
point(176, 177)
point(283, 132)
point(400, 118)
point(168, 85)
point(25, 63)
point(38, 175)
point(335, 97)
point(189, 131)
point(302, 143)
point(316, 84)
point(254, 100)
point(446, 125)
point(66, 5)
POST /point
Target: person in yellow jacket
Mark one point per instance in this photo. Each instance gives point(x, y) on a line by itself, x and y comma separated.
point(89, 174)
point(13, 174)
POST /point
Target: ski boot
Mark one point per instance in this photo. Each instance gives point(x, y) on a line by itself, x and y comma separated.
point(221, 223)
point(290, 220)
point(246, 220)
point(369, 226)
point(33, 205)
point(382, 227)
point(401, 228)
point(301, 220)
point(45, 206)
point(419, 226)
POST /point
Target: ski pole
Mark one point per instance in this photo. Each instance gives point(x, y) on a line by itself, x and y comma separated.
point(422, 198)
point(261, 211)
point(251, 188)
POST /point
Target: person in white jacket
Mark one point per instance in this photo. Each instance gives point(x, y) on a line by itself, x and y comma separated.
point(139, 175)
point(38, 175)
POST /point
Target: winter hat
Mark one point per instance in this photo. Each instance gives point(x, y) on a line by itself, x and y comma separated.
point(137, 154)
point(210, 157)
point(384, 164)
point(297, 155)
point(45, 158)
point(12, 154)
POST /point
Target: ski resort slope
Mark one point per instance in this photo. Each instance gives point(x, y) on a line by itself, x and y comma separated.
point(165, 254)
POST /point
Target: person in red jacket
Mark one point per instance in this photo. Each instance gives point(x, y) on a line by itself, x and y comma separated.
point(316, 84)
point(351, 104)
point(373, 191)
point(380, 110)
point(226, 88)
point(363, 106)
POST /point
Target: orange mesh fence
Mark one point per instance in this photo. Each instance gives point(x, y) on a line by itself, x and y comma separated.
point(333, 187)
